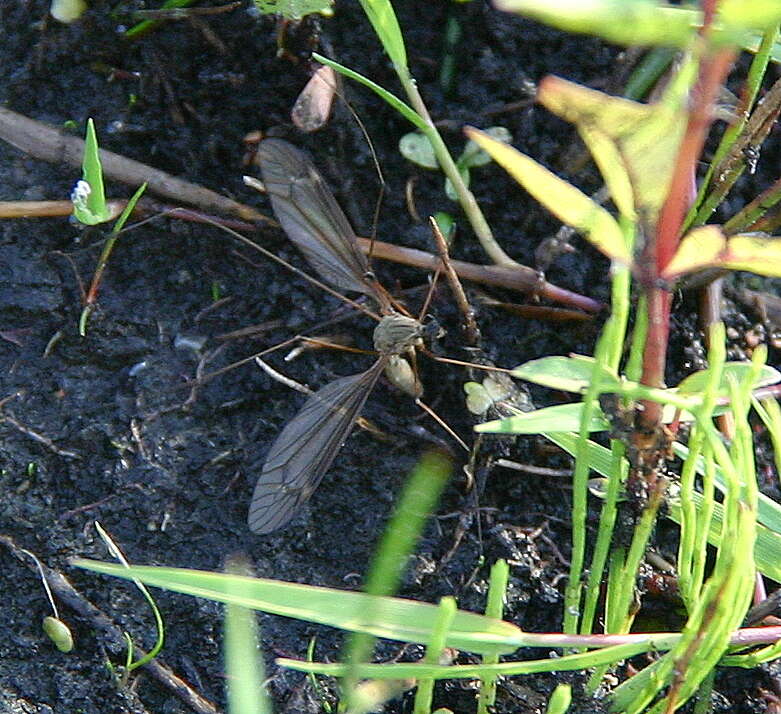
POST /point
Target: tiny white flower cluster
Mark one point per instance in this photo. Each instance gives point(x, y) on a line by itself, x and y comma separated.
point(80, 194)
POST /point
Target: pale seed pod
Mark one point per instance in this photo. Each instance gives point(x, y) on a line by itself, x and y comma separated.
point(58, 632)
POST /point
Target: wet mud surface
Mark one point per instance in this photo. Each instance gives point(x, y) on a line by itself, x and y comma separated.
point(107, 427)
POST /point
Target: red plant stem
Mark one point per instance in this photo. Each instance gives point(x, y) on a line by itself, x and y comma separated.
point(664, 243)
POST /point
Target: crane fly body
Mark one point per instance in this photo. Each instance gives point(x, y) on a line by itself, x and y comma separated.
point(307, 446)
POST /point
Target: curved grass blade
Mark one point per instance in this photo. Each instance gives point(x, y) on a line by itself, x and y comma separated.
point(306, 448)
point(312, 218)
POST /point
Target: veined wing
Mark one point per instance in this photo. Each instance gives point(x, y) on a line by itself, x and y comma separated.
point(311, 217)
point(306, 448)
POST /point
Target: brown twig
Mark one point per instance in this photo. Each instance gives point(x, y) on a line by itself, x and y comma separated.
point(471, 330)
point(518, 278)
point(44, 142)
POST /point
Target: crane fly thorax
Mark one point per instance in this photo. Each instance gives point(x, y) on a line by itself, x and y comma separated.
point(396, 334)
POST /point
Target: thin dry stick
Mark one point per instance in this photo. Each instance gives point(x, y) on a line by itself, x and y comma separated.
point(44, 142)
point(8, 418)
point(471, 330)
point(99, 620)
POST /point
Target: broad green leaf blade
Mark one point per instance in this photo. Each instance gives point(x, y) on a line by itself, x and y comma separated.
point(570, 374)
point(294, 9)
point(386, 26)
point(708, 247)
point(89, 198)
point(569, 204)
point(625, 22)
point(392, 618)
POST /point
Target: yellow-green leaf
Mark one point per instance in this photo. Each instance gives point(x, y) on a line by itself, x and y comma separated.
point(699, 249)
point(633, 144)
point(755, 253)
point(751, 14)
point(708, 247)
point(569, 204)
point(392, 618)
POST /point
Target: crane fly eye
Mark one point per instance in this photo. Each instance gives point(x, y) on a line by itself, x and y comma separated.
point(432, 330)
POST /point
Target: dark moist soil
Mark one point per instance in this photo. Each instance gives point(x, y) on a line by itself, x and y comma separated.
point(103, 427)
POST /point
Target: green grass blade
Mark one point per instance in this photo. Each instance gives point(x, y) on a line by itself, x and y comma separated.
point(386, 27)
point(425, 694)
point(420, 495)
point(497, 591)
point(243, 663)
point(395, 618)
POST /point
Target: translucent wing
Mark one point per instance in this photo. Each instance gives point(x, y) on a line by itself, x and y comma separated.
point(311, 217)
point(306, 448)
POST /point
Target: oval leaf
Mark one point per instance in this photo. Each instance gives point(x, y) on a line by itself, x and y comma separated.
point(416, 147)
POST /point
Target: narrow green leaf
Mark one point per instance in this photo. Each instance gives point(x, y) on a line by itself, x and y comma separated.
point(243, 663)
point(396, 618)
point(294, 9)
point(708, 247)
point(404, 109)
point(563, 417)
point(131, 204)
point(695, 383)
point(560, 699)
point(569, 374)
point(386, 26)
